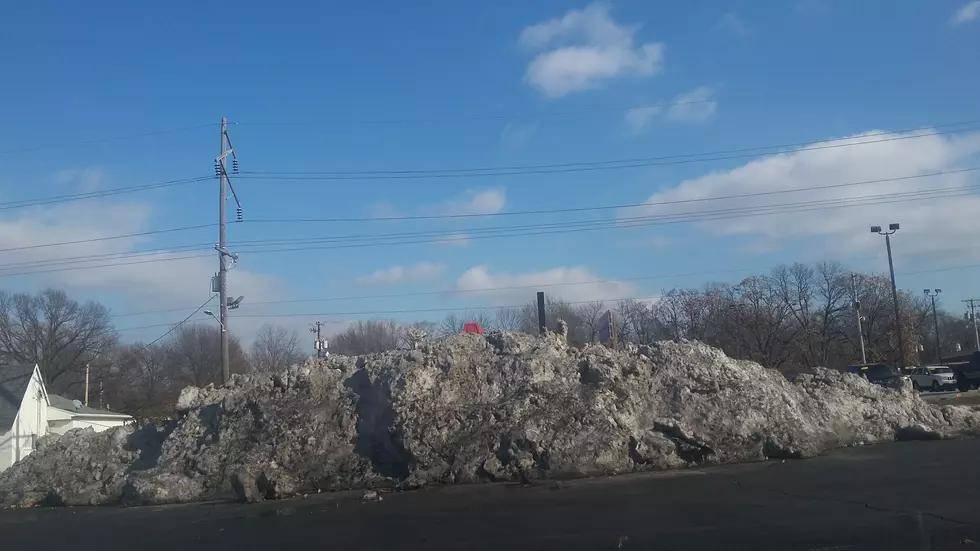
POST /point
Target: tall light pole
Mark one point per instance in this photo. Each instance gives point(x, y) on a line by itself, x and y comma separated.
point(935, 320)
point(892, 228)
point(857, 314)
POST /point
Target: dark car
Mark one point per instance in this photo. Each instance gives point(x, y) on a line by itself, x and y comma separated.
point(879, 374)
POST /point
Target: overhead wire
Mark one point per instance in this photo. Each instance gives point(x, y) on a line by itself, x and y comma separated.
point(59, 145)
point(9, 205)
point(797, 147)
point(171, 330)
point(363, 241)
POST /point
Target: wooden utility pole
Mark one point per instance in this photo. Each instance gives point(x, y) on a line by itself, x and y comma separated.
point(973, 316)
point(318, 345)
point(224, 184)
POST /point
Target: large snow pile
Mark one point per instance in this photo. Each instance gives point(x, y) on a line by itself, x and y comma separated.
point(472, 408)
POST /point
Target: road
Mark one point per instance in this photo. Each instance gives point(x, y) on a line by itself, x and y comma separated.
point(917, 495)
point(955, 397)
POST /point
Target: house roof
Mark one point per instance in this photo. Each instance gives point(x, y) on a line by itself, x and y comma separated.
point(68, 405)
point(14, 380)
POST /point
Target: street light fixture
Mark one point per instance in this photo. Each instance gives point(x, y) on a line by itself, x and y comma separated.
point(210, 313)
point(935, 320)
point(892, 228)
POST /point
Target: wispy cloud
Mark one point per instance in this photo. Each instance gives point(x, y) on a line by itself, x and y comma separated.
point(585, 48)
point(83, 179)
point(571, 283)
point(516, 134)
point(733, 25)
point(456, 240)
point(638, 118)
point(419, 272)
point(965, 14)
point(484, 201)
point(698, 105)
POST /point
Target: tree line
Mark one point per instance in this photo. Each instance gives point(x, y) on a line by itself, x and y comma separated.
point(793, 318)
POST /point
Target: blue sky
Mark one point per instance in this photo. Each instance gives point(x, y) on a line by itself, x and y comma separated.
point(390, 86)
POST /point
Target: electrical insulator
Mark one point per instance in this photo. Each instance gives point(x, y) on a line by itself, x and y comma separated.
point(239, 214)
point(234, 165)
point(217, 168)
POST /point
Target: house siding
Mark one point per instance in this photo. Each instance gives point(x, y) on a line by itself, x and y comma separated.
point(30, 424)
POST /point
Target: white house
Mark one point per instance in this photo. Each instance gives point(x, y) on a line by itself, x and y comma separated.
point(28, 412)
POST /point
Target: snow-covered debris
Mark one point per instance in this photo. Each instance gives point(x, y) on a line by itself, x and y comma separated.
point(472, 408)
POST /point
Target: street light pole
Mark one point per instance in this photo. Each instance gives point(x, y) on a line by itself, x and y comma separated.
point(935, 321)
point(892, 228)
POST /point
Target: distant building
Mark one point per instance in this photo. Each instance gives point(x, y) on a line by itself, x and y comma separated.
point(28, 412)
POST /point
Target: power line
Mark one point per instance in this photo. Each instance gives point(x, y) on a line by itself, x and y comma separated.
point(171, 330)
point(603, 165)
point(98, 194)
point(108, 238)
point(621, 206)
point(511, 213)
point(545, 229)
point(105, 140)
point(512, 116)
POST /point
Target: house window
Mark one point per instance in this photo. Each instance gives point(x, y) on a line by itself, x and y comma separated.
point(34, 441)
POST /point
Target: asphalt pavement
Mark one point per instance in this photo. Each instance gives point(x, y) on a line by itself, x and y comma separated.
point(901, 496)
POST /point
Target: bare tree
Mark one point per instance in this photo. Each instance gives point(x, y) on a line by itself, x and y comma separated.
point(194, 352)
point(591, 315)
point(275, 348)
point(507, 318)
point(367, 337)
point(451, 324)
point(55, 332)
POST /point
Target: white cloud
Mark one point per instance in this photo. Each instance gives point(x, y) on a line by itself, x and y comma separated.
point(382, 210)
point(83, 179)
point(584, 48)
point(639, 118)
point(456, 240)
point(698, 105)
point(400, 275)
point(145, 281)
point(925, 221)
point(967, 13)
point(484, 201)
point(585, 285)
point(734, 25)
point(516, 134)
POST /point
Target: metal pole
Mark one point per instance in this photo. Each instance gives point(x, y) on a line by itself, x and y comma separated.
point(223, 243)
point(542, 322)
point(857, 311)
point(935, 321)
point(86, 383)
point(898, 313)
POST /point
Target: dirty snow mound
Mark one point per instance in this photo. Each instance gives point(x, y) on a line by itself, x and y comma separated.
point(471, 408)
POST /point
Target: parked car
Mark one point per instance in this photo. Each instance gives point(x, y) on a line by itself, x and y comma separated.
point(879, 374)
point(966, 369)
point(933, 377)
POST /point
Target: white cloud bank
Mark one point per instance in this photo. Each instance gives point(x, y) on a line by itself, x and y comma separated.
point(419, 272)
point(575, 284)
point(585, 48)
point(159, 280)
point(928, 223)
